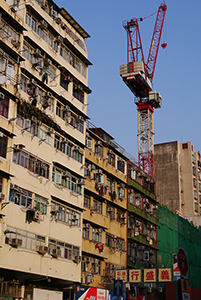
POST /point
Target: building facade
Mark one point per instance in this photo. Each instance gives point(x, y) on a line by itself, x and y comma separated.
point(178, 177)
point(104, 247)
point(43, 101)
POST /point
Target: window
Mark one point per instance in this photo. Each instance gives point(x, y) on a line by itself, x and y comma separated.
point(138, 200)
point(86, 201)
point(195, 182)
point(78, 94)
point(99, 150)
point(110, 240)
point(121, 216)
point(185, 146)
point(20, 197)
point(98, 176)
point(97, 206)
point(131, 172)
point(28, 239)
point(31, 163)
point(110, 212)
point(131, 222)
point(196, 207)
point(66, 215)
point(85, 264)
point(195, 194)
point(64, 82)
point(120, 244)
point(40, 204)
point(110, 184)
point(111, 158)
point(4, 106)
point(67, 251)
point(96, 267)
point(194, 170)
point(97, 235)
point(88, 142)
point(138, 226)
point(121, 165)
point(3, 146)
point(131, 196)
point(85, 232)
point(121, 192)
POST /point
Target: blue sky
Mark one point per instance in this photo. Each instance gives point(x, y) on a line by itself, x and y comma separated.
point(177, 75)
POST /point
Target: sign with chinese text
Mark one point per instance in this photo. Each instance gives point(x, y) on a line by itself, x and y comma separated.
point(149, 275)
point(122, 275)
point(164, 274)
point(135, 275)
point(86, 293)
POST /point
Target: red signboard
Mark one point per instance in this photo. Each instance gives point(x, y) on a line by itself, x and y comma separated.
point(182, 262)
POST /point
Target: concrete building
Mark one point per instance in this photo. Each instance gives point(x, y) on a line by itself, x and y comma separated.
point(178, 177)
point(43, 99)
point(104, 247)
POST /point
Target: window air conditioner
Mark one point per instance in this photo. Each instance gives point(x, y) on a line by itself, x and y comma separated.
point(81, 118)
point(43, 4)
point(81, 181)
point(99, 143)
point(77, 258)
point(2, 196)
point(43, 24)
point(2, 96)
point(54, 208)
point(74, 217)
point(100, 230)
point(137, 223)
point(66, 108)
point(66, 174)
point(110, 151)
point(110, 209)
point(37, 215)
point(77, 148)
point(100, 171)
point(49, 61)
point(37, 53)
point(59, 39)
point(63, 25)
point(55, 252)
point(88, 225)
point(42, 249)
point(123, 216)
point(87, 259)
point(58, 20)
point(160, 289)
point(16, 43)
point(49, 94)
point(34, 119)
point(15, 242)
point(146, 255)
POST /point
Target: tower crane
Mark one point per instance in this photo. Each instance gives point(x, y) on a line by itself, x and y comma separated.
point(138, 76)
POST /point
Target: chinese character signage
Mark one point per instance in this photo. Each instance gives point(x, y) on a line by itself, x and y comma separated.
point(135, 275)
point(122, 275)
point(149, 275)
point(164, 274)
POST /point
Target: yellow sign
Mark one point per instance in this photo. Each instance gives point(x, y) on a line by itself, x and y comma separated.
point(184, 285)
point(135, 275)
point(149, 275)
point(122, 275)
point(164, 274)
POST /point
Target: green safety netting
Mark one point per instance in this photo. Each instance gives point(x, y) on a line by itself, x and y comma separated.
point(174, 232)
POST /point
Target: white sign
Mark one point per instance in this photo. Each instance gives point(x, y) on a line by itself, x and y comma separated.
point(185, 296)
point(47, 295)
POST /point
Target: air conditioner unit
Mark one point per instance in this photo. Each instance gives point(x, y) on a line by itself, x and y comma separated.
point(138, 196)
point(123, 216)
point(93, 167)
point(146, 255)
point(110, 209)
point(77, 258)
point(54, 208)
point(81, 181)
point(89, 279)
point(77, 148)
point(88, 225)
point(15, 242)
point(66, 174)
point(37, 215)
point(100, 230)
point(99, 143)
point(54, 13)
point(14, 187)
point(99, 171)
point(59, 39)
point(37, 53)
point(137, 223)
point(160, 289)
point(18, 147)
point(16, 43)
point(43, 4)
point(43, 24)
point(1, 134)
point(34, 119)
point(49, 94)
point(81, 118)
point(74, 217)
point(63, 25)
point(110, 151)
point(87, 259)
point(49, 61)
point(55, 252)
point(2, 196)
point(2, 96)
point(42, 249)
point(58, 20)
point(66, 108)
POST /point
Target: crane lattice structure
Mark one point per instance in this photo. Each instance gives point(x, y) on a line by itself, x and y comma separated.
point(138, 76)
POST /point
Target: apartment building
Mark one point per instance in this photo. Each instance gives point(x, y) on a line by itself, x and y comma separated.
point(104, 244)
point(178, 177)
point(43, 99)
point(142, 219)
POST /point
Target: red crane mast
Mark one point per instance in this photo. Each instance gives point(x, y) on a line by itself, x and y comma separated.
point(138, 76)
